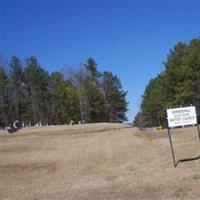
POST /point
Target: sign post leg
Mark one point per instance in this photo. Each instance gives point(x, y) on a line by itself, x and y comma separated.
point(198, 131)
point(172, 149)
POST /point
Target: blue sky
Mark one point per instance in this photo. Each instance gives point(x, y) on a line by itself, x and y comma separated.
point(129, 38)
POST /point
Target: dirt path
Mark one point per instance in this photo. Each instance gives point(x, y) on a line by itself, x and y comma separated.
point(97, 161)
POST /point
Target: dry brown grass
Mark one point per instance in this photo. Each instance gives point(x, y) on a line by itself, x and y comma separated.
point(97, 162)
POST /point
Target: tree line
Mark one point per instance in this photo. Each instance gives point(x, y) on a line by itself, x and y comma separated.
point(178, 84)
point(30, 94)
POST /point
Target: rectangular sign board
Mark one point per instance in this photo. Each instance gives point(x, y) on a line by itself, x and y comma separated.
point(181, 116)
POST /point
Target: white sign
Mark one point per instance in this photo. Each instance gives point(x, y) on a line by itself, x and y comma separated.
point(181, 116)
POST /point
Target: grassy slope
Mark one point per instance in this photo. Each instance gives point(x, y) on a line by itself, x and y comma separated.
point(97, 161)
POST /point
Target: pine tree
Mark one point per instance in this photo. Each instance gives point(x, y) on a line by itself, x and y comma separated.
point(3, 97)
point(17, 84)
point(91, 68)
point(116, 105)
point(31, 95)
point(95, 106)
point(37, 81)
point(178, 84)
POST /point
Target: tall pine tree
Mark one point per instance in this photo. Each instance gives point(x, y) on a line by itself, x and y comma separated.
point(116, 105)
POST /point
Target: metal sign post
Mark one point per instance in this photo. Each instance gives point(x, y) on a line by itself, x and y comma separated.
point(178, 117)
point(198, 131)
point(172, 149)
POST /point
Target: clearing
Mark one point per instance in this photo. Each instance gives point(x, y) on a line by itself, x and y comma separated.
point(97, 162)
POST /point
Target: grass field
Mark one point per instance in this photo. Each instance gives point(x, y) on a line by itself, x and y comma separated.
point(97, 162)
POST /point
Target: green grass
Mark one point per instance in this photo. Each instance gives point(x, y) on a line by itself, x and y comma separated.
point(196, 177)
point(181, 192)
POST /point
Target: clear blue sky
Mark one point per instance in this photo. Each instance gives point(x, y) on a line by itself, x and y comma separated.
point(129, 38)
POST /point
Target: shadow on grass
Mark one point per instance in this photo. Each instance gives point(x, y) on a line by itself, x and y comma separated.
point(187, 160)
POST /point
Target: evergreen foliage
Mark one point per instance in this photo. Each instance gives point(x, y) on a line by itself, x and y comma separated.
point(178, 84)
point(116, 104)
point(32, 95)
